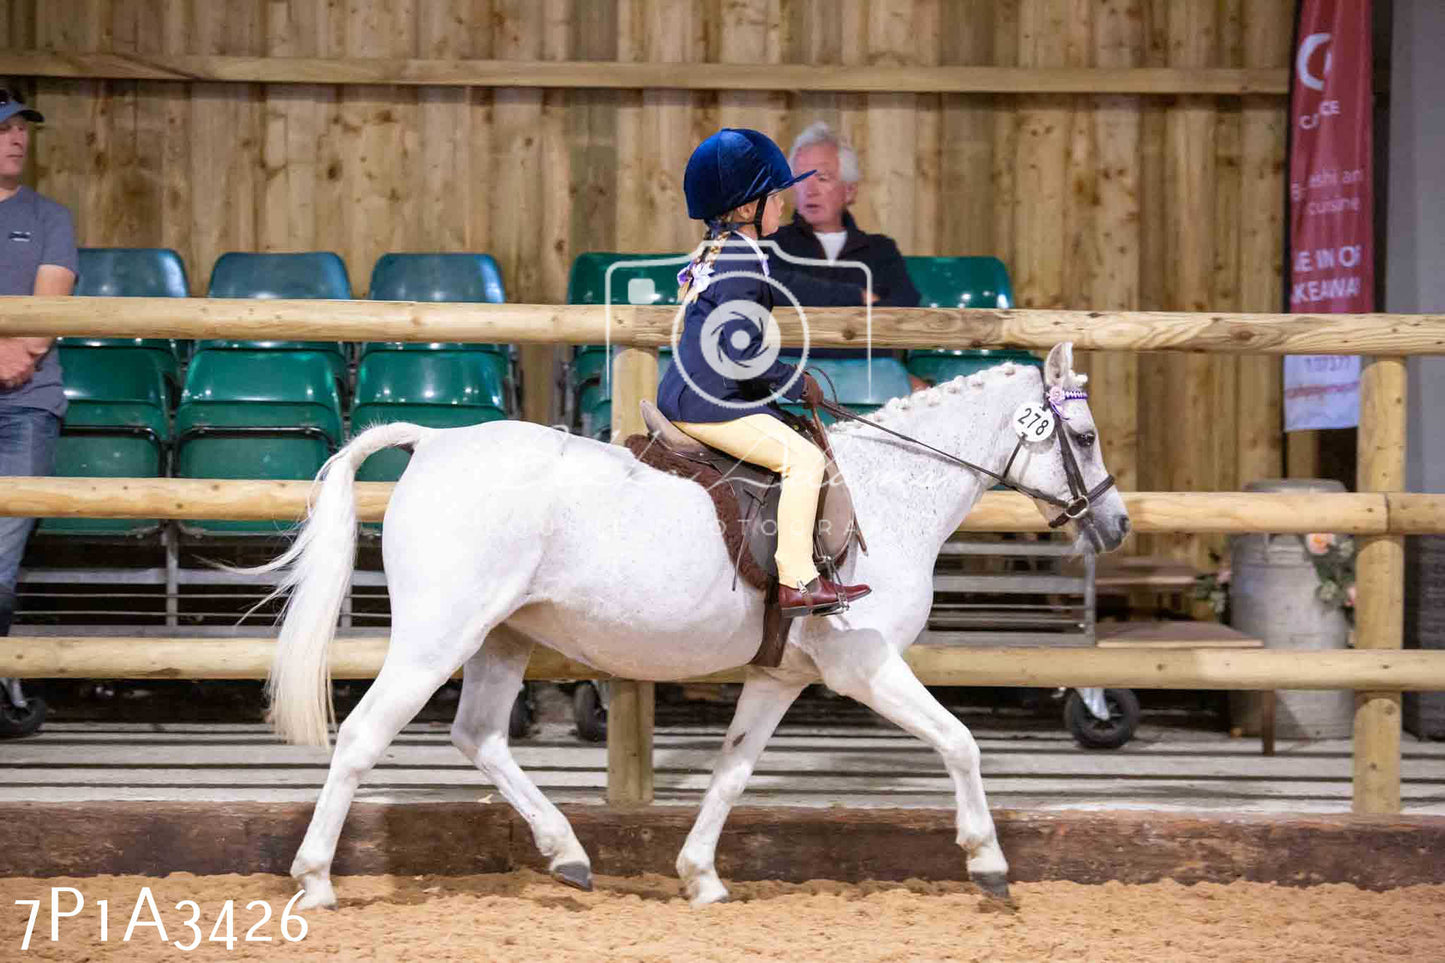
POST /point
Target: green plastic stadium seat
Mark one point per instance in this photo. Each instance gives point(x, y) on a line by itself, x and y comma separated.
point(960, 282)
point(588, 363)
point(305, 274)
point(163, 353)
point(938, 366)
point(439, 389)
point(594, 400)
point(594, 409)
point(436, 277)
point(255, 415)
point(630, 283)
point(134, 272)
point(499, 363)
point(856, 384)
point(598, 365)
point(115, 427)
point(131, 272)
point(333, 352)
point(589, 283)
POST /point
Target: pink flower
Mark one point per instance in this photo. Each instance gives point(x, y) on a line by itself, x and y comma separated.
point(1350, 597)
point(1317, 543)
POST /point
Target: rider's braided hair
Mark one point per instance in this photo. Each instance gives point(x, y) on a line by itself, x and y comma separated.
point(701, 265)
point(713, 243)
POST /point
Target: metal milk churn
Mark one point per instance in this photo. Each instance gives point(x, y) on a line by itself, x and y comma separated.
point(1273, 598)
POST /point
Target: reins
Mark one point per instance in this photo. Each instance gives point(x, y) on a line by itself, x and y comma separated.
point(1081, 498)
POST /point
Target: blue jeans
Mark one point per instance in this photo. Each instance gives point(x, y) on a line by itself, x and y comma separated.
point(27, 447)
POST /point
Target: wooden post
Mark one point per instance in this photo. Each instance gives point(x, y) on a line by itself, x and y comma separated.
point(630, 708)
point(1380, 584)
point(1302, 454)
point(1266, 38)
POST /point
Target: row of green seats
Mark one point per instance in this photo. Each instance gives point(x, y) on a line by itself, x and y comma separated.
point(159, 272)
point(276, 416)
point(263, 409)
point(942, 282)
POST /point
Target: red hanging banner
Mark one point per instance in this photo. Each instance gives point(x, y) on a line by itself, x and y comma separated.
point(1331, 209)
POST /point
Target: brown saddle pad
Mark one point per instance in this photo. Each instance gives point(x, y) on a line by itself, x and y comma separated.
point(724, 499)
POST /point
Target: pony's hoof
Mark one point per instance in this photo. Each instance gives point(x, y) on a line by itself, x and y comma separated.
point(995, 887)
point(705, 892)
point(317, 894)
point(576, 875)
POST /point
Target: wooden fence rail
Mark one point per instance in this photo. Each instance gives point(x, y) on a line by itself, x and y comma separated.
point(1150, 512)
point(81, 657)
point(1219, 332)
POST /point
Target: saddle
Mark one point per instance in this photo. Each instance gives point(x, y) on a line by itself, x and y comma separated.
point(745, 497)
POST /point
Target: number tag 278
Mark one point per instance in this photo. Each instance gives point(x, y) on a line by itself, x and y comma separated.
point(1033, 422)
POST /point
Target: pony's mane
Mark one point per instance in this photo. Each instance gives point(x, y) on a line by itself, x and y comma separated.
point(935, 394)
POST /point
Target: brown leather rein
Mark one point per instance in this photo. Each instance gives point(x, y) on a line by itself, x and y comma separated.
point(1081, 499)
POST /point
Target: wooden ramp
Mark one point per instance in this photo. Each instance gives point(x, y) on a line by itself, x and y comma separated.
point(1192, 635)
point(1174, 635)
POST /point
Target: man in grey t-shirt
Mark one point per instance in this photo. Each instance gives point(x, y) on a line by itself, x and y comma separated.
point(37, 256)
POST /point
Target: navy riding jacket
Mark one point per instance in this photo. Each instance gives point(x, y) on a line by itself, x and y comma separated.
point(734, 342)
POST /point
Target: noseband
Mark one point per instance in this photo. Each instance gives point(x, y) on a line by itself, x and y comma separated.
point(1081, 499)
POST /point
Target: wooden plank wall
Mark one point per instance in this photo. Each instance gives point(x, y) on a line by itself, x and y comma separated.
point(1094, 201)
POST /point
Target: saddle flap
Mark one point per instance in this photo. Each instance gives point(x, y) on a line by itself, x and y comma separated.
point(669, 435)
point(755, 494)
point(835, 512)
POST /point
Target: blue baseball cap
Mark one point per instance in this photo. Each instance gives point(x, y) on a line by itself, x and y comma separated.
point(10, 105)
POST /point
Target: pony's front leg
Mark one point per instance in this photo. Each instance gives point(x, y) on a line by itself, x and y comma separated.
point(889, 687)
point(761, 706)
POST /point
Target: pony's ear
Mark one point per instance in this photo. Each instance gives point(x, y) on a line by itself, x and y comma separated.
point(1059, 368)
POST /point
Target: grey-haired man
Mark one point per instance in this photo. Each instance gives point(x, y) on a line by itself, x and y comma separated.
point(37, 256)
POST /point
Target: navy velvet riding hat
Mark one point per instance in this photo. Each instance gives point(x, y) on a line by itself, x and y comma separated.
point(732, 167)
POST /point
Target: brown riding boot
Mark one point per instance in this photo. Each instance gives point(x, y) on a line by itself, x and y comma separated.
point(818, 597)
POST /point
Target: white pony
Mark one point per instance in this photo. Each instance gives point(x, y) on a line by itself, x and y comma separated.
point(508, 534)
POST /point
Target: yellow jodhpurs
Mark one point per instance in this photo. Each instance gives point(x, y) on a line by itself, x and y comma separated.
point(764, 440)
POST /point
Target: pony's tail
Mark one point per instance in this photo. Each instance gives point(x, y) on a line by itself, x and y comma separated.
point(320, 563)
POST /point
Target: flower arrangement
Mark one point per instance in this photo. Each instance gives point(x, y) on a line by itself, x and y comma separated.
point(1213, 587)
point(1334, 560)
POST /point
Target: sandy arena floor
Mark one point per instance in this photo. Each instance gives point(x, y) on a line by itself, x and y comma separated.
point(526, 916)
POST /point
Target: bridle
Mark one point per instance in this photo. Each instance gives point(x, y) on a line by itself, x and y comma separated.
point(1081, 499)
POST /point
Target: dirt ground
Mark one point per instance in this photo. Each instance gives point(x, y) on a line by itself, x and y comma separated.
point(526, 916)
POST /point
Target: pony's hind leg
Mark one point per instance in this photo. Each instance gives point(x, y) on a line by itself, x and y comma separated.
point(890, 688)
point(761, 706)
point(398, 694)
point(422, 655)
point(490, 682)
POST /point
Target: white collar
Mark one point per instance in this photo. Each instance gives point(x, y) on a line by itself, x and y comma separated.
point(758, 251)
